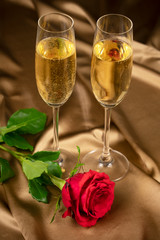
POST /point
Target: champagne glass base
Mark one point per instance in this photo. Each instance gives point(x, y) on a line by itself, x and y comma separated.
point(66, 161)
point(116, 169)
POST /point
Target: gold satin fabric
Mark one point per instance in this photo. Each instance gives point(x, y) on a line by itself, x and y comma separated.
point(135, 125)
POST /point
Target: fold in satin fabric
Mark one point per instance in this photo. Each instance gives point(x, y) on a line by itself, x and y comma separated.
point(134, 127)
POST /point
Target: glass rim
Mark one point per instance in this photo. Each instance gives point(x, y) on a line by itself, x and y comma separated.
point(119, 15)
point(56, 13)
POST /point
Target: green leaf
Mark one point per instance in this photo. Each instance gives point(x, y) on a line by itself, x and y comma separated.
point(38, 191)
point(1, 136)
point(44, 179)
point(1, 139)
point(13, 139)
point(6, 171)
point(34, 169)
point(75, 169)
point(58, 204)
point(78, 148)
point(46, 156)
point(58, 182)
point(54, 169)
point(26, 121)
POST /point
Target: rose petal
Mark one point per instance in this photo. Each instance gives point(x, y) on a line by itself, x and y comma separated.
point(67, 213)
point(68, 195)
point(97, 199)
point(67, 201)
point(84, 220)
point(75, 186)
point(85, 186)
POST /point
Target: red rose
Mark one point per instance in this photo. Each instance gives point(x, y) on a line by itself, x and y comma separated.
point(88, 196)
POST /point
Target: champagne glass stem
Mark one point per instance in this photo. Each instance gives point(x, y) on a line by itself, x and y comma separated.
point(106, 157)
point(55, 128)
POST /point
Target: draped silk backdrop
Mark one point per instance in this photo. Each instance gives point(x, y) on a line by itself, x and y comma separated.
point(135, 125)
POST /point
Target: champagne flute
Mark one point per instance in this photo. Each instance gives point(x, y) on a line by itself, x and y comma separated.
point(111, 68)
point(55, 68)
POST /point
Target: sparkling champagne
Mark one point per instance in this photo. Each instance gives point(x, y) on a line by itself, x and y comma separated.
point(111, 71)
point(55, 69)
